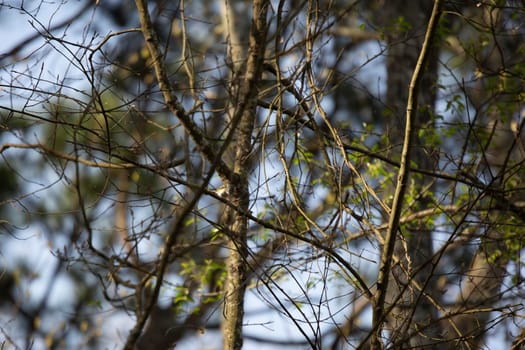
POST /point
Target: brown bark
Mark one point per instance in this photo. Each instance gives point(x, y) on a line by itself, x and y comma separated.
point(393, 285)
point(236, 222)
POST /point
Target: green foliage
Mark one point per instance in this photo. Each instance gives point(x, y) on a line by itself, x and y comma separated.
point(455, 104)
point(402, 25)
point(182, 298)
point(208, 274)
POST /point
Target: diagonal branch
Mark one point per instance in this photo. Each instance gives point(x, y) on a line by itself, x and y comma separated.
point(168, 93)
point(402, 180)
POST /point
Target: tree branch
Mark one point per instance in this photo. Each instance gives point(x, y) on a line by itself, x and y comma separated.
point(402, 180)
point(171, 99)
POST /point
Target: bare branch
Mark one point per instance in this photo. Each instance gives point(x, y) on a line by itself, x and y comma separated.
point(402, 180)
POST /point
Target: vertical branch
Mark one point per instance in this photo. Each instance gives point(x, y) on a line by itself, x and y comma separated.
point(238, 192)
point(121, 206)
point(187, 57)
point(234, 32)
point(402, 180)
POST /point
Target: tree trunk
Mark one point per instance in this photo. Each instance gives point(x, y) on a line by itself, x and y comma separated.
point(244, 103)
